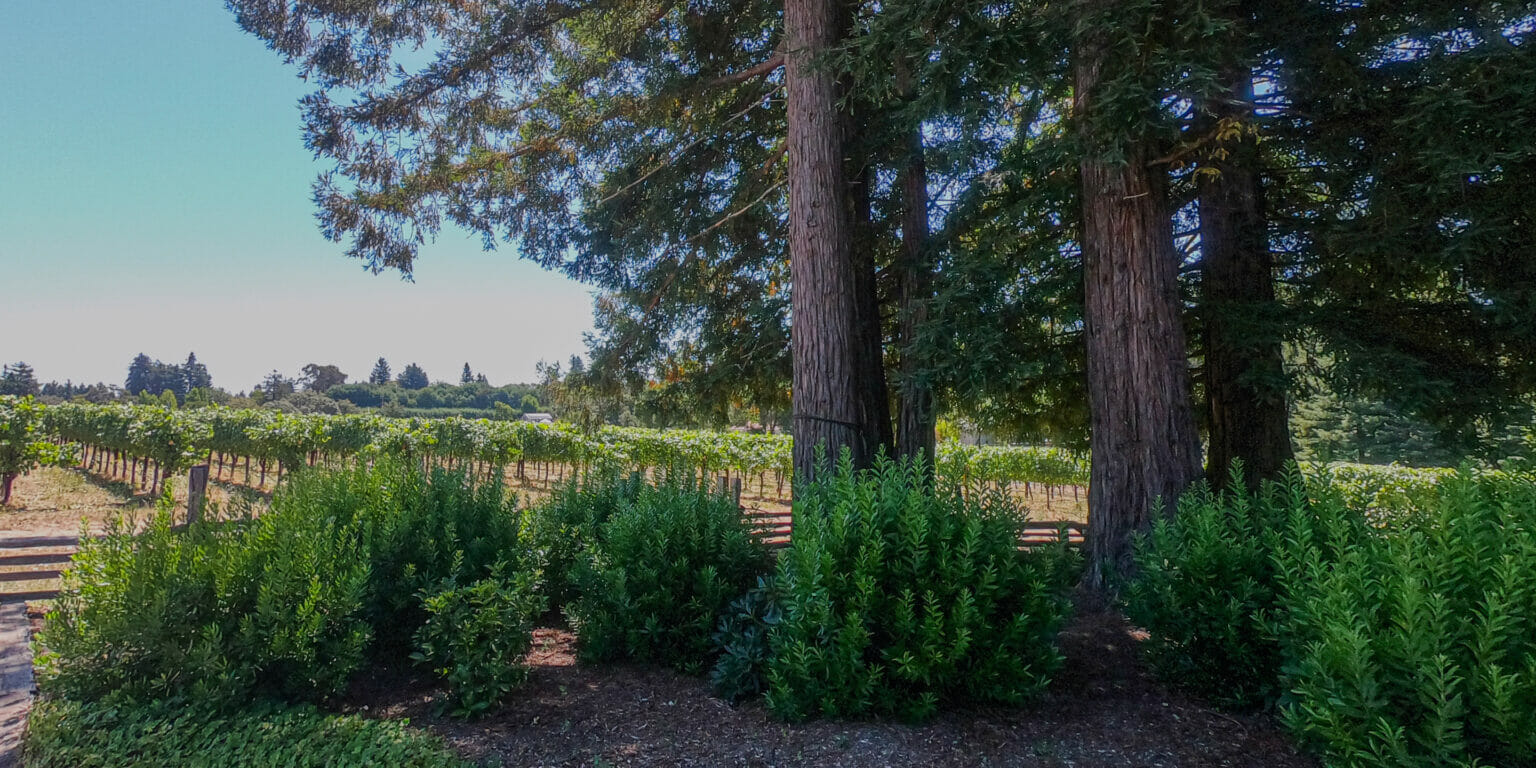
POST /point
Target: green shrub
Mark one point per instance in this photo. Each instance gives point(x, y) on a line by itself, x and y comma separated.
point(64, 734)
point(475, 638)
point(663, 567)
point(286, 603)
point(418, 530)
point(214, 612)
point(1415, 645)
point(894, 598)
point(742, 642)
point(1205, 591)
point(563, 527)
point(1401, 639)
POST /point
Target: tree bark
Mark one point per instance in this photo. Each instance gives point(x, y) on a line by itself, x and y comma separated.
point(915, 411)
point(5, 488)
point(825, 327)
point(874, 395)
point(1245, 382)
point(1144, 447)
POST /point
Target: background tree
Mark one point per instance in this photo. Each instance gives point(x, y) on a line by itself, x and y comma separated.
point(275, 386)
point(1145, 449)
point(413, 377)
point(18, 379)
point(467, 377)
point(1408, 130)
point(380, 374)
point(155, 378)
point(319, 378)
point(140, 373)
point(195, 373)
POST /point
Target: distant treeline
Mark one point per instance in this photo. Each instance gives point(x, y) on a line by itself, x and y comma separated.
point(474, 396)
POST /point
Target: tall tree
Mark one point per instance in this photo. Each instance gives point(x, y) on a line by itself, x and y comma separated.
point(319, 378)
point(1143, 443)
point(466, 377)
point(915, 415)
point(140, 372)
point(195, 373)
point(825, 324)
point(1407, 214)
point(18, 379)
point(1245, 380)
point(381, 373)
point(413, 377)
point(274, 386)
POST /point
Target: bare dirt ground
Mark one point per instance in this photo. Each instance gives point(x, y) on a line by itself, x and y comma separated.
point(54, 501)
point(1103, 711)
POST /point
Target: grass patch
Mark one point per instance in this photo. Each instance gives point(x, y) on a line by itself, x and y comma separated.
point(65, 734)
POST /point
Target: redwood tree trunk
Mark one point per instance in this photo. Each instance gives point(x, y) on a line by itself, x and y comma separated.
point(824, 314)
point(915, 413)
point(874, 396)
point(1144, 447)
point(1245, 381)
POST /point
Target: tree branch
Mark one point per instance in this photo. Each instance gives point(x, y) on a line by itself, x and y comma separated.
point(774, 62)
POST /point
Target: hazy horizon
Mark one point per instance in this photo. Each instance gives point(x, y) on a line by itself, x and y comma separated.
point(155, 198)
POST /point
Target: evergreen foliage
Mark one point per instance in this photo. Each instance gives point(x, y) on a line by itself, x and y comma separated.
point(1205, 591)
point(660, 571)
point(286, 604)
point(1387, 637)
point(211, 614)
point(564, 528)
point(475, 638)
point(380, 374)
point(18, 380)
point(413, 377)
point(319, 378)
point(154, 377)
point(195, 373)
point(1410, 645)
point(895, 599)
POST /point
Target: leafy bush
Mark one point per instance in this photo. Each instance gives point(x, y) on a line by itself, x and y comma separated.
point(1205, 591)
point(286, 603)
point(895, 598)
point(419, 530)
point(1390, 640)
point(475, 638)
point(662, 569)
point(214, 612)
point(742, 641)
point(22, 447)
point(1414, 646)
point(564, 526)
point(64, 734)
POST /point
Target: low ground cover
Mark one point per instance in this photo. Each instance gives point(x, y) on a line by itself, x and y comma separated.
point(65, 734)
point(894, 599)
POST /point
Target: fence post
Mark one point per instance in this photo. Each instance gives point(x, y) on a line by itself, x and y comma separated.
point(197, 487)
point(736, 490)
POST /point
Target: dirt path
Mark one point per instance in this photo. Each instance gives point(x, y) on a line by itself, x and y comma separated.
point(16, 687)
point(1103, 711)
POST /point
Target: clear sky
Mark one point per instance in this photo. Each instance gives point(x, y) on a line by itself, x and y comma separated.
point(155, 197)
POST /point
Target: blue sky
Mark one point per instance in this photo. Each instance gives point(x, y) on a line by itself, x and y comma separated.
point(155, 197)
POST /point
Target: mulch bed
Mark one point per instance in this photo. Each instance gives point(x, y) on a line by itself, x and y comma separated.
point(1103, 710)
